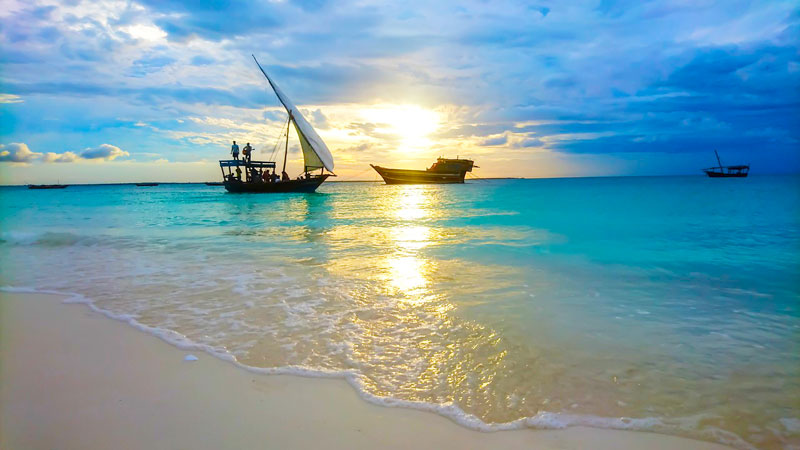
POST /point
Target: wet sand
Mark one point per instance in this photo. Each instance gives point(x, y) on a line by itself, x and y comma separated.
point(71, 378)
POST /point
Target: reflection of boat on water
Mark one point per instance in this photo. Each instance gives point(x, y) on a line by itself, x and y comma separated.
point(727, 171)
point(146, 184)
point(47, 186)
point(442, 171)
point(316, 156)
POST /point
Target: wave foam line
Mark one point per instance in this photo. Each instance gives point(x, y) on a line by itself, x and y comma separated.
point(542, 420)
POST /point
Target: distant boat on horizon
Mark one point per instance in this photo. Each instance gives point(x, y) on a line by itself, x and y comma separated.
point(214, 183)
point(147, 184)
point(727, 171)
point(47, 186)
point(443, 171)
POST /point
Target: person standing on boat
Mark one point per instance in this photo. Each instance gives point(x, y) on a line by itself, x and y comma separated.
point(247, 151)
point(238, 172)
point(235, 151)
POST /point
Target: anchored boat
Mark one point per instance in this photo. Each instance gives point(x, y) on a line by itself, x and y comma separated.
point(47, 186)
point(257, 177)
point(727, 171)
point(443, 171)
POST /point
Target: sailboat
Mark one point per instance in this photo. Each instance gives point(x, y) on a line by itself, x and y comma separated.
point(727, 171)
point(316, 156)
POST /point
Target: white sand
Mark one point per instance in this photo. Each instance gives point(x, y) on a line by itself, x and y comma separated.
point(73, 379)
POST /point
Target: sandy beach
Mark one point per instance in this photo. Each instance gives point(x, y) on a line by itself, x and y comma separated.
point(74, 379)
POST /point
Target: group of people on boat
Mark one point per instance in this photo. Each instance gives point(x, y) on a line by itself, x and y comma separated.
point(255, 171)
point(258, 176)
point(247, 152)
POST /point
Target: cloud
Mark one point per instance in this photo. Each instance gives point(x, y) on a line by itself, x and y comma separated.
point(17, 152)
point(495, 141)
point(66, 157)
point(201, 60)
point(319, 120)
point(150, 64)
point(10, 98)
point(216, 21)
point(587, 78)
point(531, 142)
point(105, 152)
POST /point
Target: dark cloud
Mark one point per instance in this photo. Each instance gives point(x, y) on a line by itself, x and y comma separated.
point(215, 20)
point(243, 97)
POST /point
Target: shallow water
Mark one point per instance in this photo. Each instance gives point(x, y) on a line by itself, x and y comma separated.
point(669, 304)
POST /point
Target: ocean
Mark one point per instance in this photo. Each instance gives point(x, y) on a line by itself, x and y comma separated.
point(667, 304)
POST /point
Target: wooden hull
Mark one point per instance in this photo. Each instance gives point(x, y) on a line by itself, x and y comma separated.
point(47, 186)
point(726, 175)
point(304, 185)
point(404, 176)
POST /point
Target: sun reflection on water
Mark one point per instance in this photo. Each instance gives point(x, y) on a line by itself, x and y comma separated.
point(409, 272)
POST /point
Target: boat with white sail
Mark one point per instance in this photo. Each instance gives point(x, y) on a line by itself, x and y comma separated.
point(248, 176)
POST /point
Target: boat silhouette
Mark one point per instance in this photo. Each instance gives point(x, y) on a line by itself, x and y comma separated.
point(47, 186)
point(443, 171)
point(316, 156)
point(727, 171)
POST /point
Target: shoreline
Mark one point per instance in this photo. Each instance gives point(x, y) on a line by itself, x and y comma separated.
point(71, 378)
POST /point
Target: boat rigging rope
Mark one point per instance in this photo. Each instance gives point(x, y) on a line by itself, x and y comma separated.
point(275, 148)
point(352, 177)
point(476, 177)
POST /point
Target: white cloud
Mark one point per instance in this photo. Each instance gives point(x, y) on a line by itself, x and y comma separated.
point(17, 152)
point(10, 98)
point(66, 157)
point(105, 152)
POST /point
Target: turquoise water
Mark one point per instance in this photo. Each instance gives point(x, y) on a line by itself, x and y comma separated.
point(667, 304)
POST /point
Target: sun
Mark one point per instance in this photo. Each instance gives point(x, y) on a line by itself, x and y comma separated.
point(411, 124)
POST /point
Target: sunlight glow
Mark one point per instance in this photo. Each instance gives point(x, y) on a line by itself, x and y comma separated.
point(410, 123)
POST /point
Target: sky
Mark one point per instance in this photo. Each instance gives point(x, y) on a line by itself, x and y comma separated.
point(147, 90)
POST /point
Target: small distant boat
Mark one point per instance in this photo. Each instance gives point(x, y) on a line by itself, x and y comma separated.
point(443, 171)
point(256, 177)
point(727, 171)
point(47, 186)
point(147, 184)
point(214, 183)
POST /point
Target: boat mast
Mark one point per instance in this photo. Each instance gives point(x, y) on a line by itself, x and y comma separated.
point(286, 151)
point(718, 161)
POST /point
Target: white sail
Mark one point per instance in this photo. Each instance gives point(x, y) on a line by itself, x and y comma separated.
point(315, 153)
